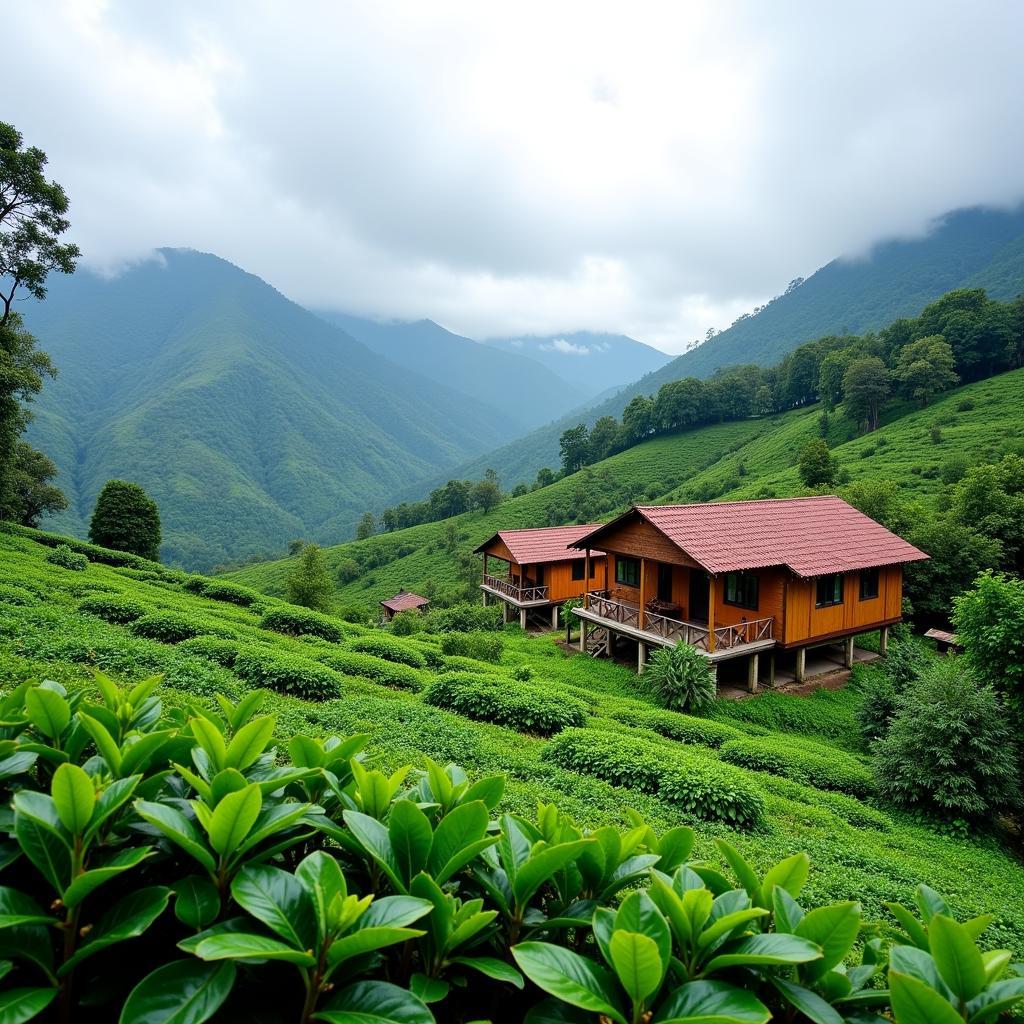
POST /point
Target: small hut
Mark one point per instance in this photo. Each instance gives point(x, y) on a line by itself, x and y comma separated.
point(403, 601)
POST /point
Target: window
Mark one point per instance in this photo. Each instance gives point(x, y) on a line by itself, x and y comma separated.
point(579, 569)
point(868, 584)
point(741, 590)
point(830, 591)
point(627, 571)
point(665, 583)
point(593, 568)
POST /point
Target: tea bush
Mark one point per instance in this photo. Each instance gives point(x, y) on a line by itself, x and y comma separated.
point(476, 644)
point(390, 650)
point(213, 648)
point(167, 627)
point(63, 556)
point(290, 674)
point(387, 673)
point(10, 594)
point(221, 590)
point(700, 785)
point(118, 610)
point(520, 706)
point(823, 768)
point(463, 618)
point(820, 713)
point(675, 726)
point(294, 621)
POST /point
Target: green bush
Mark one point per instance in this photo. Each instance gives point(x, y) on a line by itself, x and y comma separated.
point(476, 644)
point(390, 650)
point(699, 784)
point(516, 705)
point(387, 673)
point(820, 713)
point(301, 622)
point(221, 590)
point(289, 674)
point(675, 726)
point(213, 648)
point(167, 627)
point(877, 706)
point(463, 618)
point(407, 623)
point(10, 594)
point(119, 611)
point(63, 556)
point(823, 767)
point(681, 679)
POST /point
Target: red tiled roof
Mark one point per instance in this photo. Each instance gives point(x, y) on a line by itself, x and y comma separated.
point(542, 544)
point(811, 536)
point(404, 600)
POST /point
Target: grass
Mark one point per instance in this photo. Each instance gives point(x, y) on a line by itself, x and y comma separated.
point(860, 850)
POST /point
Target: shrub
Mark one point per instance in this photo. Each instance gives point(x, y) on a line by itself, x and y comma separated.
point(300, 622)
point(681, 679)
point(289, 674)
point(387, 673)
point(823, 767)
point(682, 728)
point(877, 706)
point(127, 519)
point(522, 673)
point(310, 585)
point(390, 650)
point(702, 786)
point(120, 611)
point(965, 406)
point(167, 627)
point(477, 644)
point(221, 590)
point(407, 623)
point(949, 750)
point(214, 648)
point(63, 556)
point(463, 618)
point(10, 594)
point(518, 706)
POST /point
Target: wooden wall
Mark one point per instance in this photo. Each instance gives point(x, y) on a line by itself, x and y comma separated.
point(638, 539)
point(771, 596)
point(558, 579)
point(805, 623)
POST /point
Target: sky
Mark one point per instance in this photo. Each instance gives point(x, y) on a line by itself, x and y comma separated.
point(653, 169)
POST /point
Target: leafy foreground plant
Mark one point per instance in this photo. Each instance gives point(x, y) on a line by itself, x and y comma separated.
point(260, 884)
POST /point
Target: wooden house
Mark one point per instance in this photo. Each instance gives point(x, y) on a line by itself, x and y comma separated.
point(739, 579)
point(403, 601)
point(536, 570)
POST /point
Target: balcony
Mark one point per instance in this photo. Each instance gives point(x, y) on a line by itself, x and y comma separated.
point(522, 597)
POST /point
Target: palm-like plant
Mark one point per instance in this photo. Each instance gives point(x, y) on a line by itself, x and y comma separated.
point(681, 678)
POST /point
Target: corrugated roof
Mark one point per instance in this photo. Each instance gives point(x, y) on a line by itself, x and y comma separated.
point(404, 600)
point(811, 536)
point(543, 544)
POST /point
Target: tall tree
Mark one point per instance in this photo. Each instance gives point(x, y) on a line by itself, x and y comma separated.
point(366, 527)
point(603, 438)
point(926, 367)
point(126, 518)
point(487, 493)
point(573, 447)
point(31, 494)
point(866, 386)
point(818, 467)
point(311, 585)
point(32, 219)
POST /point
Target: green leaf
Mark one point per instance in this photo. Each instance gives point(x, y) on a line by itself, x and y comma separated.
point(74, 796)
point(177, 828)
point(570, 977)
point(245, 709)
point(761, 950)
point(45, 848)
point(430, 990)
point(321, 874)
point(809, 1003)
point(638, 913)
point(366, 940)
point(21, 1004)
point(956, 956)
point(375, 1002)
point(249, 742)
point(196, 902)
point(87, 881)
point(136, 756)
point(459, 832)
point(637, 963)
point(243, 946)
point(746, 875)
point(279, 900)
point(411, 835)
point(105, 742)
point(233, 817)
point(915, 932)
point(711, 1002)
point(492, 967)
point(211, 740)
point(790, 874)
point(488, 790)
point(306, 752)
point(17, 909)
point(914, 1002)
point(395, 911)
point(835, 929)
point(541, 865)
point(675, 847)
point(183, 992)
point(788, 913)
point(996, 999)
point(930, 903)
point(374, 839)
point(48, 711)
point(111, 800)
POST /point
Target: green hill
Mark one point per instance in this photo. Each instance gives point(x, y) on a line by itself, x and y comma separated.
point(968, 248)
point(743, 459)
point(250, 420)
point(132, 618)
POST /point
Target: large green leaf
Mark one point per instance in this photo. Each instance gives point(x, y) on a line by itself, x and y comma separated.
point(765, 950)
point(492, 967)
point(196, 901)
point(48, 711)
point(249, 742)
point(569, 976)
point(835, 929)
point(790, 874)
point(74, 796)
point(112, 799)
point(211, 739)
point(183, 992)
point(245, 946)
point(638, 913)
point(996, 999)
point(87, 881)
point(279, 900)
point(176, 827)
point(375, 1002)
point(44, 847)
point(459, 836)
point(809, 1003)
point(745, 874)
point(711, 1002)
point(105, 742)
point(233, 817)
point(394, 911)
point(366, 940)
point(21, 1004)
point(957, 956)
point(321, 874)
point(411, 836)
point(541, 865)
point(914, 1002)
point(18, 909)
point(374, 839)
point(637, 963)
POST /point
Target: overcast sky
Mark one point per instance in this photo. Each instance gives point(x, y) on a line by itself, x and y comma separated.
point(654, 169)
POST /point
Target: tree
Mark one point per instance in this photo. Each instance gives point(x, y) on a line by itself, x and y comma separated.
point(637, 419)
point(949, 750)
point(487, 494)
point(979, 330)
point(830, 377)
point(30, 494)
point(817, 466)
point(366, 527)
point(32, 218)
point(990, 500)
point(310, 585)
point(925, 368)
point(866, 386)
point(573, 447)
point(681, 679)
point(604, 436)
point(127, 519)
point(679, 404)
point(545, 478)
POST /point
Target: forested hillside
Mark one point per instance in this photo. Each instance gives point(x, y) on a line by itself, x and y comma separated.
point(970, 248)
point(250, 420)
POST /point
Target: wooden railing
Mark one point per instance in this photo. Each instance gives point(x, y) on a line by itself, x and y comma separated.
point(727, 637)
point(617, 611)
point(523, 594)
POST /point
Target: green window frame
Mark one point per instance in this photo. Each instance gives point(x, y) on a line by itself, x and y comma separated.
point(627, 571)
point(741, 590)
point(829, 591)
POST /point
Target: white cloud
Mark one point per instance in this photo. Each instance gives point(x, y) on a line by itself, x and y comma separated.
point(515, 169)
point(567, 348)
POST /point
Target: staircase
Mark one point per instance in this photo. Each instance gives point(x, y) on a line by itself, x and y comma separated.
point(597, 641)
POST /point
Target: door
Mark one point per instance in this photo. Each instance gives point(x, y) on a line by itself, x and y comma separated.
point(665, 583)
point(699, 582)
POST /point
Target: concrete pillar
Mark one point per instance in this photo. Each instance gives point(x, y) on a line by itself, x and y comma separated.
point(484, 592)
point(504, 613)
point(848, 652)
point(883, 641)
point(554, 616)
point(771, 670)
point(522, 618)
point(641, 656)
point(752, 674)
point(714, 672)
point(583, 636)
point(801, 664)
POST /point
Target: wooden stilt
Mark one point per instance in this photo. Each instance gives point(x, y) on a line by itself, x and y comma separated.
point(752, 675)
